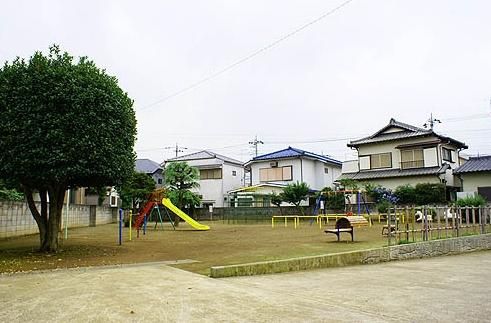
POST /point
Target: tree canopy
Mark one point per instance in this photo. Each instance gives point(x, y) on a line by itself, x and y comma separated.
point(65, 123)
point(136, 190)
point(295, 193)
point(180, 179)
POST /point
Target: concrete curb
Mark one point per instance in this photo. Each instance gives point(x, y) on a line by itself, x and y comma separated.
point(425, 249)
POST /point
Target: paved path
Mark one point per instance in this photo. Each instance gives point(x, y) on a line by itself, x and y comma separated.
point(444, 289)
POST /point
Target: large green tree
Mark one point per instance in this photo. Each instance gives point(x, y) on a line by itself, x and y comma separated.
point(136, 190)
point(180, 179)
point(64, 123)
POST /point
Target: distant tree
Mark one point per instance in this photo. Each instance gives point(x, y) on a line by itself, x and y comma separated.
point(276, 199)
point(136, 190)
point(295, 193)
point(64, 124)
point(180, 179)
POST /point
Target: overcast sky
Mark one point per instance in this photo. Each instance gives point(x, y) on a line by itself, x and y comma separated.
point(343, 76)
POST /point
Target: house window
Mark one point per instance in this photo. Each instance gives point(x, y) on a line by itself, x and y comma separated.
point(326, 170)
point(447, 154)
point(412, 158)
point(381, 160)
point(276, 174)
point(215, 173)
point(234, 173)
point(159, 181)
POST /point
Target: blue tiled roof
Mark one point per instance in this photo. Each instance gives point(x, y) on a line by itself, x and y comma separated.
point(294, 152)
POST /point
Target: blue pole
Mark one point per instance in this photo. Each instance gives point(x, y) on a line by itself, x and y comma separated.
point(144, 225)
point(120, 226)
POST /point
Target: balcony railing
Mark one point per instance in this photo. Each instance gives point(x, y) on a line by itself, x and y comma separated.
point(412, 164)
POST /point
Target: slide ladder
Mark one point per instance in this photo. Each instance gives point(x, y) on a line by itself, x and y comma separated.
point(147, 208)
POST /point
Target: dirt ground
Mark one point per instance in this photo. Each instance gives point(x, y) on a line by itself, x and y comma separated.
point(223, 244)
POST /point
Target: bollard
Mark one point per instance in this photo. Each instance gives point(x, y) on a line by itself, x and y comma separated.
point(120, 226)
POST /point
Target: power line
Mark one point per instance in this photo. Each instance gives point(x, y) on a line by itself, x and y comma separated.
point(177, 149)
point(246, 58)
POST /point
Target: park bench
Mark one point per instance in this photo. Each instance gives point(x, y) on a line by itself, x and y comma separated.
point(347, 224)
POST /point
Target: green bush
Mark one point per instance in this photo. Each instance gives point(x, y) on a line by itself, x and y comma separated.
point(406, 194)
point(476, 200)
point(383, 206)
point(429, 193)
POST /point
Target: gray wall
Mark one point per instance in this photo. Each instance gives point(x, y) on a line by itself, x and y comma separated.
point(16, 218)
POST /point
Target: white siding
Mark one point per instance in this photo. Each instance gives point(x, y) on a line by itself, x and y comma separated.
point(309, 171)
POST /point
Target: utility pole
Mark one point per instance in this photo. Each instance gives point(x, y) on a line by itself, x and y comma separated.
point(255, 142)
point(431, 122)
point(177, 149)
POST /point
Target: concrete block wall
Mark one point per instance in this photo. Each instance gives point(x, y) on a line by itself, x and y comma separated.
point(400, 252)
point(16, 218)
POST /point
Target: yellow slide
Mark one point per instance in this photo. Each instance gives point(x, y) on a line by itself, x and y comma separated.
point(195, 224)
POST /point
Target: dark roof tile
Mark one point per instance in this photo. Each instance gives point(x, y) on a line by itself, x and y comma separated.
point(294, 152)
point(475, 164)
point(386, 173)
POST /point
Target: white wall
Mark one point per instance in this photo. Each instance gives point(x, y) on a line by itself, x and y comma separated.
point(295, 163)
point(474, 180)
point(389, 147)
point(303, 170)
point(214, 190)
point(350, 166)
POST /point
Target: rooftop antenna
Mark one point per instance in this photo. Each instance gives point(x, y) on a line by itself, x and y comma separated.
point(431, 122)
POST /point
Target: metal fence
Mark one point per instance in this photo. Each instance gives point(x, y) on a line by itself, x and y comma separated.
point(412, 224)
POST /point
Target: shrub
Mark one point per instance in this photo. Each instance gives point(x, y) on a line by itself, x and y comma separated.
point(476, 200)
point(429, 193)
point(406, 194)
point(383, 206)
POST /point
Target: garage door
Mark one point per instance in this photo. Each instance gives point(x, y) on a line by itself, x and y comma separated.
point(485, 191)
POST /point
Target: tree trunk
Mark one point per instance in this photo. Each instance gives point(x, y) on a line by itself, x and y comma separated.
point(48, 221)
point(177, 219)
point(56, 196)
point(40, 218)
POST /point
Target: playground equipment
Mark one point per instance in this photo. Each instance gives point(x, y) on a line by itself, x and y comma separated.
point(319, 217)
point(195, 224)
point(153, 204)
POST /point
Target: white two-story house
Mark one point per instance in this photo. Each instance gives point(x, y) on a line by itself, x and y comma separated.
point(401, 154)
point(218, 175)
point(270, 173)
